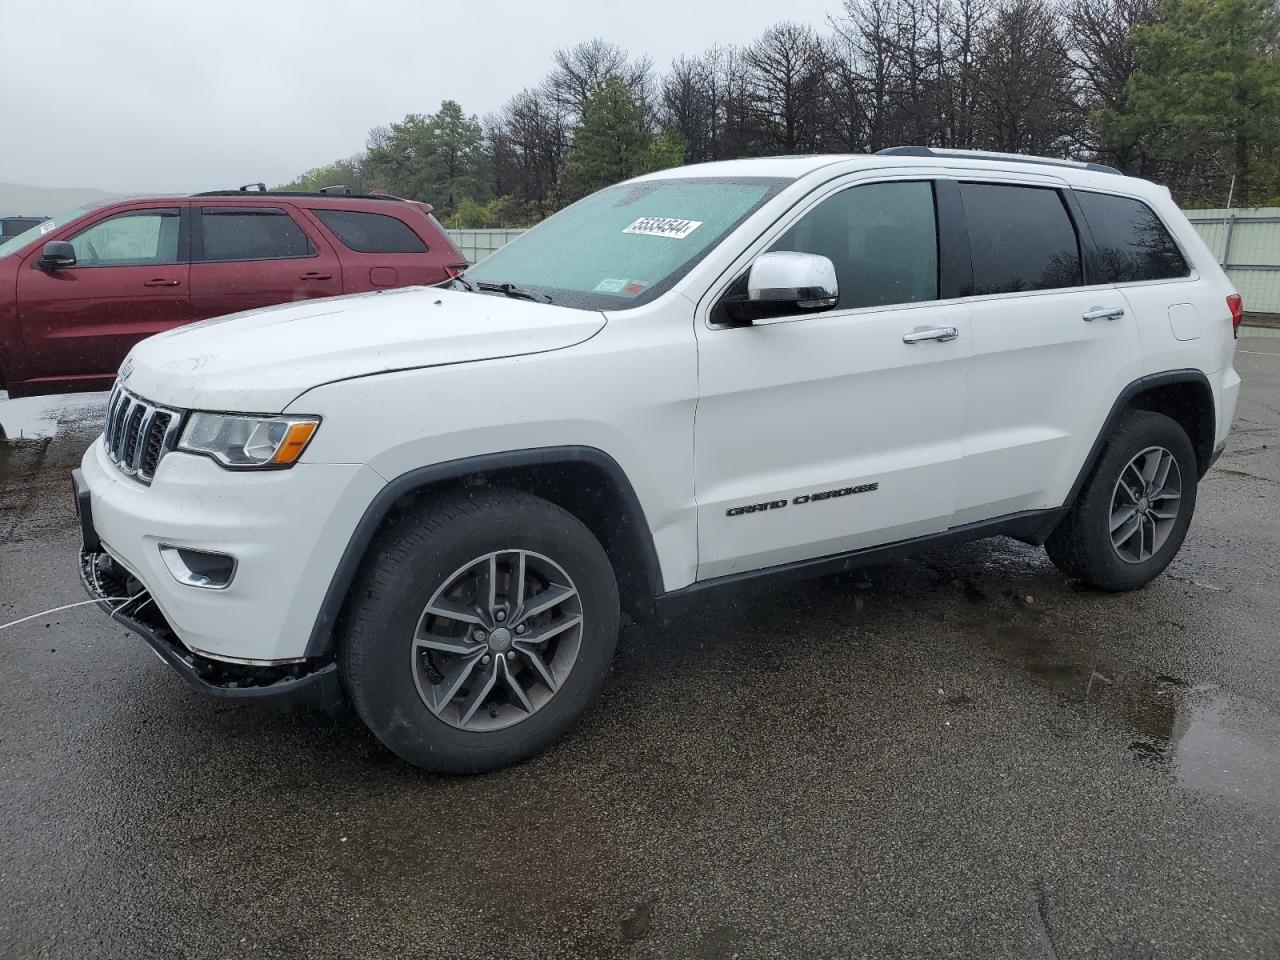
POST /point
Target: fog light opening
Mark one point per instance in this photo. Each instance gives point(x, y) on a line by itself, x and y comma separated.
point(198, 568)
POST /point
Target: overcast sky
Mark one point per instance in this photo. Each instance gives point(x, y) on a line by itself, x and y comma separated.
point(144, 95)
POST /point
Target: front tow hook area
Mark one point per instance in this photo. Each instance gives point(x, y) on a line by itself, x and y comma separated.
point(127, 601)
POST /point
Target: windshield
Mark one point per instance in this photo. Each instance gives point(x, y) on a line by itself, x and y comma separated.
point(14, 244)
point(626, 244)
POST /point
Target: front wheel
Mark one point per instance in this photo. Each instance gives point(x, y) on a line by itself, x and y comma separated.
point(1134, 509)
point(480, 630)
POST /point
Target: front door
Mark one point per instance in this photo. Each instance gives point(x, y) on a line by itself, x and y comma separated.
point(824, 433)
point(130, 280)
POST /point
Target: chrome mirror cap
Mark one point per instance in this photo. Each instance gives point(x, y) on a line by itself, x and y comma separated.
point(806, 280)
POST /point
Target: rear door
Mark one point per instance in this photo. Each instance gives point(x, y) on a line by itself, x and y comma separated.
point(254, 256)
point(1053, 346)
point(381, 249)
point(130, 280)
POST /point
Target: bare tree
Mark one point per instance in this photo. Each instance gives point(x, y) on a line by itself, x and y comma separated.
point(689, 104)
point(1098, 32)
point(530, 137)
point(958, 26)
point(846, 117)
point(867, 30)
point(786, 70)
point(1025, 88)
point(579, 71)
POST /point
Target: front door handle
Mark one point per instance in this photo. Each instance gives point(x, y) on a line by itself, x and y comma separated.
point(317, 276)
point(1103, 313)
point(161, 282)
point(941, 334)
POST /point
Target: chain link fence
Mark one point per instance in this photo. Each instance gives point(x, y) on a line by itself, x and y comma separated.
point(1246, 242)
point(478, 244)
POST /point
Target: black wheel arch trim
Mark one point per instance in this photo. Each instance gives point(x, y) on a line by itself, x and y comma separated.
point(1208, 419)
point(320, 642)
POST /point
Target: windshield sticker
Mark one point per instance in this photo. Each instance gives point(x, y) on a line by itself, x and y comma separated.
point(634, 288)
point(663, 227)
point(46, 227)
point(611, 285)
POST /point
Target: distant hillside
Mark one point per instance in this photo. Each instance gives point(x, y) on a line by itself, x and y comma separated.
point(17, 199)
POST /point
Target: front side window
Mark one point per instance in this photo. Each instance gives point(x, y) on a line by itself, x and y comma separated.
point(1020, 238)
point(882, 239)
point(628, 243)
point(135, 238)
point(1132, 244)
point(371, 232)
point(237, 233)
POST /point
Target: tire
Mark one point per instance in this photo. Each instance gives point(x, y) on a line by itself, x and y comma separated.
point(401, 663)
point(1082, 544)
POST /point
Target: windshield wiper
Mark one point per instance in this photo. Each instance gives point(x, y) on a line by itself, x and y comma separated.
point(511, 290)
point(466, 284)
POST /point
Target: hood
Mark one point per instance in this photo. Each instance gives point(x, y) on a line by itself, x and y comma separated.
point(260, 360)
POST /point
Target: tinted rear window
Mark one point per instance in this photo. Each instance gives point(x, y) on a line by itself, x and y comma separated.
point(1133, 245)
point(1020, 238)
point(371, 232)
point(231, 233)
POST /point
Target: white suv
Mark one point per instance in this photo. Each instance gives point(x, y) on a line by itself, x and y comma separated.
point(437, 501)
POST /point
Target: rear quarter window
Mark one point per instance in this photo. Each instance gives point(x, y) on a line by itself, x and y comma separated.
point(364, 232)
point(1132, 244)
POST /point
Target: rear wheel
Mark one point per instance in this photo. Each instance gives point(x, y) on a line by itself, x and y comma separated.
point(1133, 512)
point(482, 629)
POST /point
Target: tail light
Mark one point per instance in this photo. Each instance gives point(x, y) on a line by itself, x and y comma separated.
point(1236, 306)
point(455, 270)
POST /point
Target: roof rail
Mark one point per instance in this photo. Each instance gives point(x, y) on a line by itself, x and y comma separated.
point(959, 154)
point(296, 193)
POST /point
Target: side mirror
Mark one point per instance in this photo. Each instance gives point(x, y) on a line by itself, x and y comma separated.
point(56, 254)
point(786, 282)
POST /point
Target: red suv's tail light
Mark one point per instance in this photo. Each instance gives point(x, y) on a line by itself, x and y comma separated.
point(456, 271)
point(1236, 306)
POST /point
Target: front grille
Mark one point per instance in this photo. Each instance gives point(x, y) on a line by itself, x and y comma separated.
point(139, 433)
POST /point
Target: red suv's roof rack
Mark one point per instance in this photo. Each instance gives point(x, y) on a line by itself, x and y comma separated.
point(297, 193)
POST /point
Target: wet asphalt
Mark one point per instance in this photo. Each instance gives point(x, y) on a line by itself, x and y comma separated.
point(958, 755)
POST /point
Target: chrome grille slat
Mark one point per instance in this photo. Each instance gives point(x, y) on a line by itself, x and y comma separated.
point(132, 425)
point(140, 445)
point(112, 403)
point(138, 434)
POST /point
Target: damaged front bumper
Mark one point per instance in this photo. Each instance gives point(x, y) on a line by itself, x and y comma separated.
point(126, 600)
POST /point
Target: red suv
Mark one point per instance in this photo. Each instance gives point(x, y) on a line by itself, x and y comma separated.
point(78, 291)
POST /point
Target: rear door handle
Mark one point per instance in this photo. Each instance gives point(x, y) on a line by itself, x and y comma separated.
point(317, 276)
point(1103, 313)
point(161, 282)
point(941, 334)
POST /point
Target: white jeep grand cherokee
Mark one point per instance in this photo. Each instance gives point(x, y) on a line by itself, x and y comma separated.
point(436, 501)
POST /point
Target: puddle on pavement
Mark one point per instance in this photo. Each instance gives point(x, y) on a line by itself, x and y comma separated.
point(1213, 742)
point(38, 418)
point(1222, 745)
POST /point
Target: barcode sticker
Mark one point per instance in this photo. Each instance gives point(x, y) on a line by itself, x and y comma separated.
point(663, 227)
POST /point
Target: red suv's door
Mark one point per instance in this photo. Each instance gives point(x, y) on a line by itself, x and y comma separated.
point(246, 256)
point(130, 280)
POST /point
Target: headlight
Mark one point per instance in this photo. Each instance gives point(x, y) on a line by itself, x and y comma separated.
point(248, 441)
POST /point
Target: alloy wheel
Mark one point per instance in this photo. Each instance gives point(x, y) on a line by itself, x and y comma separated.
point(1145, 504)
point(497, 640)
